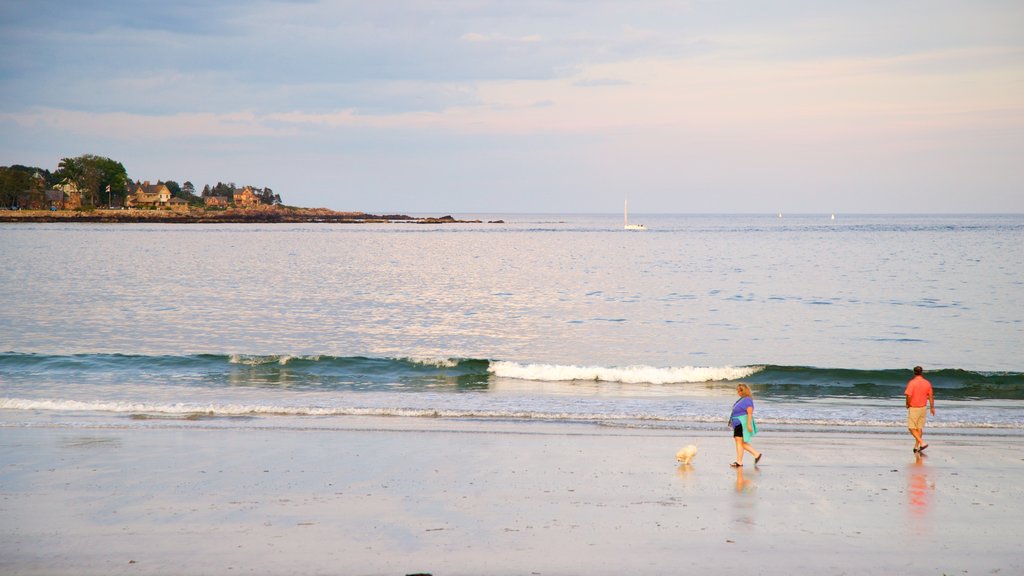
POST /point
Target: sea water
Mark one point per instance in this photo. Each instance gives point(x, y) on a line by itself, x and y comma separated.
point(539, 317)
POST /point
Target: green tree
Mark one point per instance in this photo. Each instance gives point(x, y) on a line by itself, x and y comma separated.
point(40, 174)
point(222, 189)
point(188, 192)
point(97, 178)
point(174, 188)
point(268, 197)
point(12, 183)
point(26, 184)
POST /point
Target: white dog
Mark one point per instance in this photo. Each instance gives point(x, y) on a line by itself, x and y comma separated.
point(687, 453)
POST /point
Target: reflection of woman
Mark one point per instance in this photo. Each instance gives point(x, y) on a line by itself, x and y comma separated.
point(743, 426)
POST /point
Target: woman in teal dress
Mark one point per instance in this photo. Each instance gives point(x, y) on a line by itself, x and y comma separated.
point(743, 426)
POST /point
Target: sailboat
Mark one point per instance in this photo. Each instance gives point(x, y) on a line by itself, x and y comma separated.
point(625, 219)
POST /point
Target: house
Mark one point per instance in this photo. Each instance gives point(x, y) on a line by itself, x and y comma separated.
point(215, 201)
point(30, 200)
point(146, 195)
point(72, 195)
point(178, 204)
point(246, 198)
point(55, 199)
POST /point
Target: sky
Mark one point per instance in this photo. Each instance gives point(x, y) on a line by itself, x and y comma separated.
point(533, 106)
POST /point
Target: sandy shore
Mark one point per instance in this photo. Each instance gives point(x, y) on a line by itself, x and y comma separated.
point(398, 496)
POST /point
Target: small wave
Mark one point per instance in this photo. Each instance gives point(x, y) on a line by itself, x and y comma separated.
point(949, 383)
point(431, 362)
point(413, 372)
point(283, 360)
point(626, 375)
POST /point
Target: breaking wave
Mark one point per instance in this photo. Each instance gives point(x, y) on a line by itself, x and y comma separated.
point(627, 375)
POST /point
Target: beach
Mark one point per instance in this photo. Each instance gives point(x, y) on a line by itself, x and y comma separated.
point(508, 399)
point(362, 495)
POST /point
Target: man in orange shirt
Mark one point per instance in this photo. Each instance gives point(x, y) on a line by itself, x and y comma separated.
point(919, 396)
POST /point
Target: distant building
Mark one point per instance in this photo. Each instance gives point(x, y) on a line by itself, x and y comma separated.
point(178, 204)
point(55, 199)
point(146, 195)
point(31, 200)
point(246, 198)
point(72, 195)
point(215, 201)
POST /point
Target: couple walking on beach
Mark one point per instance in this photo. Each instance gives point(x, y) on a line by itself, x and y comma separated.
point(918, 394)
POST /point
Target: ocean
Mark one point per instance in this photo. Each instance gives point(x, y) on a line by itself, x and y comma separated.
point(563, 318)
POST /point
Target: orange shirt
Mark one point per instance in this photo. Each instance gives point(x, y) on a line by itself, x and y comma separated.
point(918, 389)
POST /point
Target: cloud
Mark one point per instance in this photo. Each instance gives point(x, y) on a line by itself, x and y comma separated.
point(710, 95)
point(144, 128)
point(598, 82)
point(554, 84)
point(476, 37)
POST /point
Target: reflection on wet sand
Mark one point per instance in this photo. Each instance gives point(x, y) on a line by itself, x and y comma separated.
point(746, 501)
point(743, 484)
point(919, 489)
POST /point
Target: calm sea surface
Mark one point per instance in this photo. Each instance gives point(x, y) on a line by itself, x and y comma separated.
point(542, 317)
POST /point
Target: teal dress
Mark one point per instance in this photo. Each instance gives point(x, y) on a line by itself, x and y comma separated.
point(739, 417)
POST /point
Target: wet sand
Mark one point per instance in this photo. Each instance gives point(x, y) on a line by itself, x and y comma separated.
point(401, 496)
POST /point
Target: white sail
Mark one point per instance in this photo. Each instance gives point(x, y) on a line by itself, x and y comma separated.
point(625, 218)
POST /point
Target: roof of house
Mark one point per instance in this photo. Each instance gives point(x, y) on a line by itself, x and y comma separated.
point(152, 188)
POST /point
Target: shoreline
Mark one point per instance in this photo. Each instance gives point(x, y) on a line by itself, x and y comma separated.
point(267, 215)
point(386, 496)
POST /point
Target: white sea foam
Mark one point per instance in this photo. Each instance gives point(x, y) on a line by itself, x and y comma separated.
point(250, 360)
point(433, 362)
point(184, 409)
point(622, 419)
point(627, 374)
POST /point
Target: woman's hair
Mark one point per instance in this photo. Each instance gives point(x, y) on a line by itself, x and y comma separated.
point(743, 389)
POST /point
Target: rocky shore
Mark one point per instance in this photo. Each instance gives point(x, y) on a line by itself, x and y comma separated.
point(252, 216)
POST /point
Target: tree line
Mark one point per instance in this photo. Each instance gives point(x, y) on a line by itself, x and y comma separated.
point(101, 182)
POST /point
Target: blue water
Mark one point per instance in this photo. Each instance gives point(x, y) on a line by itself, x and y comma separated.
point(565, 318)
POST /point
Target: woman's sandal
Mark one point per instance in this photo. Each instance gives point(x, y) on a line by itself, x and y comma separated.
point(758, 459)
point(736, 465)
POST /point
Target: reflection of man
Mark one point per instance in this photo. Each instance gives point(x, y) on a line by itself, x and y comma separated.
point(918, 487)
point(919, 397)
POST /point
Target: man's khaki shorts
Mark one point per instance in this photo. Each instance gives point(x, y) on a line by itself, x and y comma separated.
point(916, 417)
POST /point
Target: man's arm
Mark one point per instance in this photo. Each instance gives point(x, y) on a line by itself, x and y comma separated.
point(931, 402)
